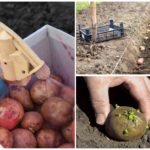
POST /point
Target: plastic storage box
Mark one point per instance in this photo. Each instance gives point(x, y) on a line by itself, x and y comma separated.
point(104, 33)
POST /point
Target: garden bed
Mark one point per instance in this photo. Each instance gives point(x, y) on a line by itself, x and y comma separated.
point(120, 55)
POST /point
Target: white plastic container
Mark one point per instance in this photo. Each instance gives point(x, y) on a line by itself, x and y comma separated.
point(56, 48)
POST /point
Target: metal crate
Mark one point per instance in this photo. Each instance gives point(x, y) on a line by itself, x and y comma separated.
point(104, 33)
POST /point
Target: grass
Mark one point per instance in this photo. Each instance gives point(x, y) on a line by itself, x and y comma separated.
point(81, 6)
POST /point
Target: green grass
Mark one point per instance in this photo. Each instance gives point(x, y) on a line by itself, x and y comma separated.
point(81, 6)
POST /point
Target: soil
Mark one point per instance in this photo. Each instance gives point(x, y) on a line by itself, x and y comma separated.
point(91, 135)
point(27, 17)
point(119, 55)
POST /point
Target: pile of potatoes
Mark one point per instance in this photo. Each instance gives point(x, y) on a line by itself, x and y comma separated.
point(42, 116)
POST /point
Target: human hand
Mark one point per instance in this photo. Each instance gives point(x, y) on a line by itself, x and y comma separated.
point(139, 87)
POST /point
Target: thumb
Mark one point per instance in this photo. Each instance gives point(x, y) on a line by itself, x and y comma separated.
point(100, 101)
point(140, 91)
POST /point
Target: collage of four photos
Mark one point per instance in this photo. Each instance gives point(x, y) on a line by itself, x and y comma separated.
point(75, 74)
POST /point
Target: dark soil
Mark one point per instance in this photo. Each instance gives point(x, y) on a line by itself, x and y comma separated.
point(27, 17)
point(105, 57)
point(91, 135)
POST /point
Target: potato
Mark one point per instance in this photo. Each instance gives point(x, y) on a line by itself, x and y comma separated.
point(140, 61)
point(6, 138)
point(11, 113)
point(46, 125)
point(66, 145)
point(67, 132)
point(48, 138)
point(42, 90)
point(142, 48)
point(57, 112)
point(57, 78)
point(32, 121)
point(23, 138)
point(43, 73)
point(125, 123)
point(22, 95)
point(73, 131)
point(67, 93)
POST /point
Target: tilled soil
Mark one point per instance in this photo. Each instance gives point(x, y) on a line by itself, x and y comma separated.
point(145, 67)
point(27, 17)
point(120, 55)
point(91, 135)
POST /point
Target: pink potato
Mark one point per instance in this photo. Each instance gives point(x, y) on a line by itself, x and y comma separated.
point(23, 138)
point(67, 132)
point(67, 93)
point(57, 112)
point(22, 95)
point(66, 145)
point(43, 73)
point(11, 113)
point(42, 90)
point(48, 138)
point(32, 121)
point(6, 138)
point(57, 78)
